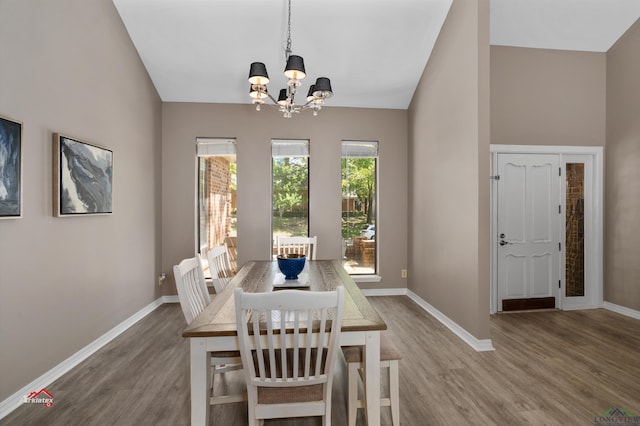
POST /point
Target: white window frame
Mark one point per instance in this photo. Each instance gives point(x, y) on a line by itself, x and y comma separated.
point(281, 148)
point(366, 149)
point(208, 147)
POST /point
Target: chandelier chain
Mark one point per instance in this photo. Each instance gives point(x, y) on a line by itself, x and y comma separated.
point(288, 49)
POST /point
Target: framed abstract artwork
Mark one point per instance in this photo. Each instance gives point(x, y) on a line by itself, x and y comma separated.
point(83, 178)
point(10, 169)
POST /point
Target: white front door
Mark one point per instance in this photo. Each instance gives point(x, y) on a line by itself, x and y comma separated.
point(528, 220)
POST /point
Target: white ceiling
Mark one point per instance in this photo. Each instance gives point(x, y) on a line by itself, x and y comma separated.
point(374, 51)
point(585, 25)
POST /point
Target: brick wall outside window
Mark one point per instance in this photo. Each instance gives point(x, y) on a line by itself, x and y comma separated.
point(575, 230)
point(219, 201)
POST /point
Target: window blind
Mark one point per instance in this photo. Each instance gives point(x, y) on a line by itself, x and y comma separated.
point(289, 148)
point(360, 149)
point(206, 147)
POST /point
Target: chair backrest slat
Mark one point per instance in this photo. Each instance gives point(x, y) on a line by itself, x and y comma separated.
point(259, 349)
point(323, 323)
point(271, 345)
point(283, 344)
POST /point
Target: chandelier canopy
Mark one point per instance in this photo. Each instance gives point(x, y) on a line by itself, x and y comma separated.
point(295, 72)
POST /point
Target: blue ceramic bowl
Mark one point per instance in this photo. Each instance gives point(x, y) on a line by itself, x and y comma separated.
point(291, 265)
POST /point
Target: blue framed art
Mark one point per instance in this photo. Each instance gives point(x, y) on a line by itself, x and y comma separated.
point(10, 169)
point(83, 178)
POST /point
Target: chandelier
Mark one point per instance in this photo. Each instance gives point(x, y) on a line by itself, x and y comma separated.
point(295, 72)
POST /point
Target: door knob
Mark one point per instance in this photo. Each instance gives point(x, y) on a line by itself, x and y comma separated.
point(504, 243)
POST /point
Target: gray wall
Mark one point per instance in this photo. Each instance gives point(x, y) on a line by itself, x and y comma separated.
point(547, 97)
point(622, 172)
point(69, 66)
point(449, 169)
point(183, 122)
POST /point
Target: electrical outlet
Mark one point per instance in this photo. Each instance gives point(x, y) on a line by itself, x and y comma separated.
point(403, 273)
point(161, 278)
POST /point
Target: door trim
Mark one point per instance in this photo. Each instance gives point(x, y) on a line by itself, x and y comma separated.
point(594, 257)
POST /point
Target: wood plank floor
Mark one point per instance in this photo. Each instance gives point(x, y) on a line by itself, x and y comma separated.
point(549, 368)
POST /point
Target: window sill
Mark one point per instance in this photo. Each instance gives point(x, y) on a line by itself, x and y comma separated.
point(367, 278)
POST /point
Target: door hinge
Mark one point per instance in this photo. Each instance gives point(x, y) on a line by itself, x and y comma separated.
point(559, 208)
point(496, 177)
point(559, 283)
point(559, 171)
point(559, 246)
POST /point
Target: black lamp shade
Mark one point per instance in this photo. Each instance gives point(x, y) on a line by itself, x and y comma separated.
point(282, 97)
point(258, 73)
point(310, 96)
point(295, 68)
point(323, 88)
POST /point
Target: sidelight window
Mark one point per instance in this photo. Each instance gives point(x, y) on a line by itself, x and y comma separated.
point(359, 209)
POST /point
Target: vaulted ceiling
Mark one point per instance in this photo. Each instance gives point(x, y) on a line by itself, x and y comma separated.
point(374, 51)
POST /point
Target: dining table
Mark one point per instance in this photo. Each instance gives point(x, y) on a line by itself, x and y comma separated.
point(215, 329)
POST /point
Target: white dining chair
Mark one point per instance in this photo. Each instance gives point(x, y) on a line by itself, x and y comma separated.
point(301, 245)
point(389, 357)
point(219, 267)
point(194, 297)
point(232, 252)
point(289, 341)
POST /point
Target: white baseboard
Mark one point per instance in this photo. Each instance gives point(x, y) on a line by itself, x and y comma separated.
point(170, 299)
point(15, 400)
point(385, 292)
point(480, 345)
point(622, 310)
point(579, 307)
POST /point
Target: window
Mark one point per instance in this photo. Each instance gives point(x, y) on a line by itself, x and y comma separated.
point(574, 228)
point(359, 194)
point(290, 188)
point(216, 195)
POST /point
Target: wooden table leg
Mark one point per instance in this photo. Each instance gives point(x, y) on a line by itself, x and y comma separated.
point(200, 383)
point(372, 377)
